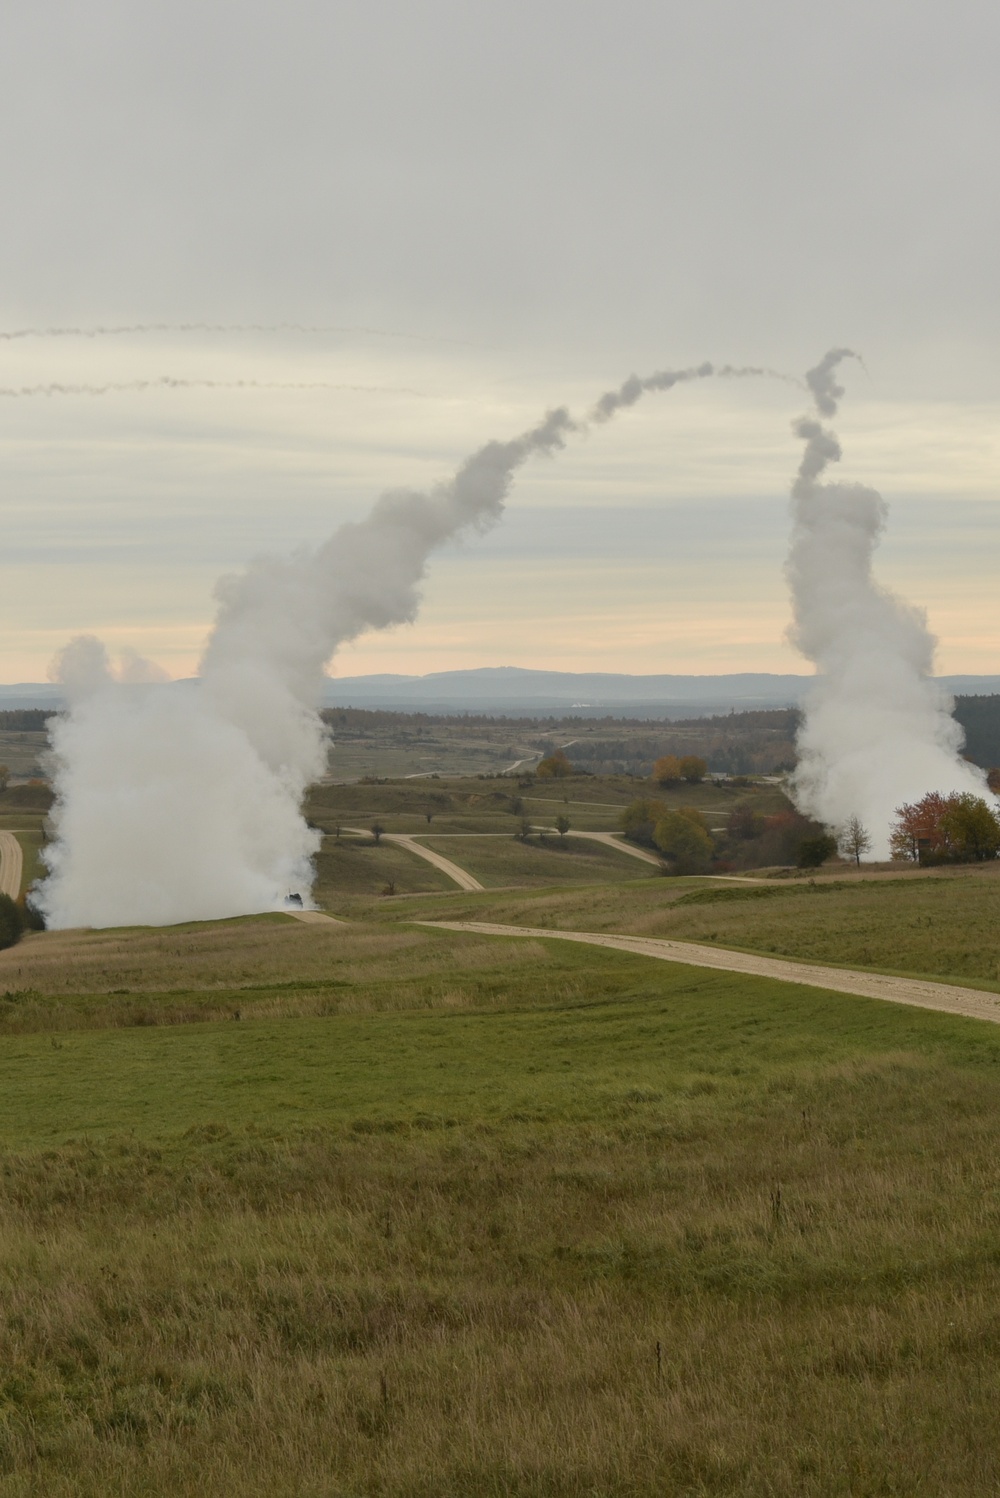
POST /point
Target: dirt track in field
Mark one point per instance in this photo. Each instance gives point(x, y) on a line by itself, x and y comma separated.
point(974, 1003)
point(11, 865)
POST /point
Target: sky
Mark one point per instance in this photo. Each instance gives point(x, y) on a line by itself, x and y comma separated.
point(412, 227)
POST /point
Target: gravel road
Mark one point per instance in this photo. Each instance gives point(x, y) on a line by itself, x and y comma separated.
point(971, 1002)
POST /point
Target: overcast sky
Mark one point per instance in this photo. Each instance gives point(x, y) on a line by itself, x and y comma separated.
point(503, 207)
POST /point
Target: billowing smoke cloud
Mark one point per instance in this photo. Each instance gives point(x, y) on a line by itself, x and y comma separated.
point(877, 729)
point(171, 382)
point(182, 802)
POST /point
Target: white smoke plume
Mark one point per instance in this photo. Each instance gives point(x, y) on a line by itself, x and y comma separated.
point(182, 802)
point(877, 728)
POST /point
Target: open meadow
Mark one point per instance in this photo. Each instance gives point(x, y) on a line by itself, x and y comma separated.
point(380, 1209)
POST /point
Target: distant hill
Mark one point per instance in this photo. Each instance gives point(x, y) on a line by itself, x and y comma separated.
point(515, 691)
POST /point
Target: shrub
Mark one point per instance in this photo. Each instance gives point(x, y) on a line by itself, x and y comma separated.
point(814, 851)
point(960, 828)
point(683, 838)
point(554, 765)
point(638, 820)
point(11, 922)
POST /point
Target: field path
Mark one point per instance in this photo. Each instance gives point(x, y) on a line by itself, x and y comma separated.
point(453, 870)
point(610, 840)
point(11, 865)
point(971, 1002)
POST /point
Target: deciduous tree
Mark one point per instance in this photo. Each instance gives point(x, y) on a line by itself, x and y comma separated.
point(554, 766)
point(693, 768)
point(855, 839)
point(667, 771)
point(960, 828)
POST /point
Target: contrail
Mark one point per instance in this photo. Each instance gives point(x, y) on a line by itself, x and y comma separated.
point(183, 802)
point(118, 330)
point(877, 728)
point(170, 382)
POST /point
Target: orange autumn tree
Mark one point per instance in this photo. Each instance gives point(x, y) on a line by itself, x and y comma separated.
point(938, 829)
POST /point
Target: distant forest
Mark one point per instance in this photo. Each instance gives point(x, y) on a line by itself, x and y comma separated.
point(980, 717)
point(738, 743)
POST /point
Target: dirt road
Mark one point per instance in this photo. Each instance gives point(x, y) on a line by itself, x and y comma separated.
point(972, 1002)
point(11, 865)
point(453, 870)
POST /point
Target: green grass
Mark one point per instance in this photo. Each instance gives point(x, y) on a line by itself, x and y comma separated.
point(349, 867)
point(562, 1223)
point(933, 927)
point(500, 861)
point(450, 1216)
point(557, 1049)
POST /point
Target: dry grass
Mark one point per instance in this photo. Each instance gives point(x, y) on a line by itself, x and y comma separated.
point(475, 1311)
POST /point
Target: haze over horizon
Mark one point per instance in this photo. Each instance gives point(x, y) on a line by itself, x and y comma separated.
point(467, 230)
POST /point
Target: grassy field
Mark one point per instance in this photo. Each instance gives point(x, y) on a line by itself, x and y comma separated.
point(447, 1215)
point(537, 862)
point(940, 926)
point(26, 825)
point(382, 1211)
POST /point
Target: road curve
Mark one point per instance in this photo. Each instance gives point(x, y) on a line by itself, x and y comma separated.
point(453, 870)
point(974, 1003)
point(11, 865)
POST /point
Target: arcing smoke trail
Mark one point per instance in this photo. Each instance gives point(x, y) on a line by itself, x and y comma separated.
point(636, 386)
point(169, 382)
point(877, 729)
point(182, 802)
point(10, 335)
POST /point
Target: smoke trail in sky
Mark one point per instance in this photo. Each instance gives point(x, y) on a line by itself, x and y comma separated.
point(877, 729)
point(169, 382)
point(636, 386)
point(120, 330)
point(182, 802)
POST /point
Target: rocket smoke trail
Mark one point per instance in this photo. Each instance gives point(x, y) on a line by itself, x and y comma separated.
point(171, 382)
point(182, 802)
point(877, 729)
point(120, 330)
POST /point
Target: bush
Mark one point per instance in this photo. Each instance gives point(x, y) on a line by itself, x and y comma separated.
point(814, 851)
point(683, 838)
point(960, 828)
point(554, 765)
point(31, 914)
point(11, 922)
point(667, 770)
point(638, 820)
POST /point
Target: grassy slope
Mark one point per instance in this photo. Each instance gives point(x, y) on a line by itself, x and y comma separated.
point(501, 861)
point(431, 1250)
point(938, 927)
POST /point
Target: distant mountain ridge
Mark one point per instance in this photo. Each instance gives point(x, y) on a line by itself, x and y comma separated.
point(517, 690)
